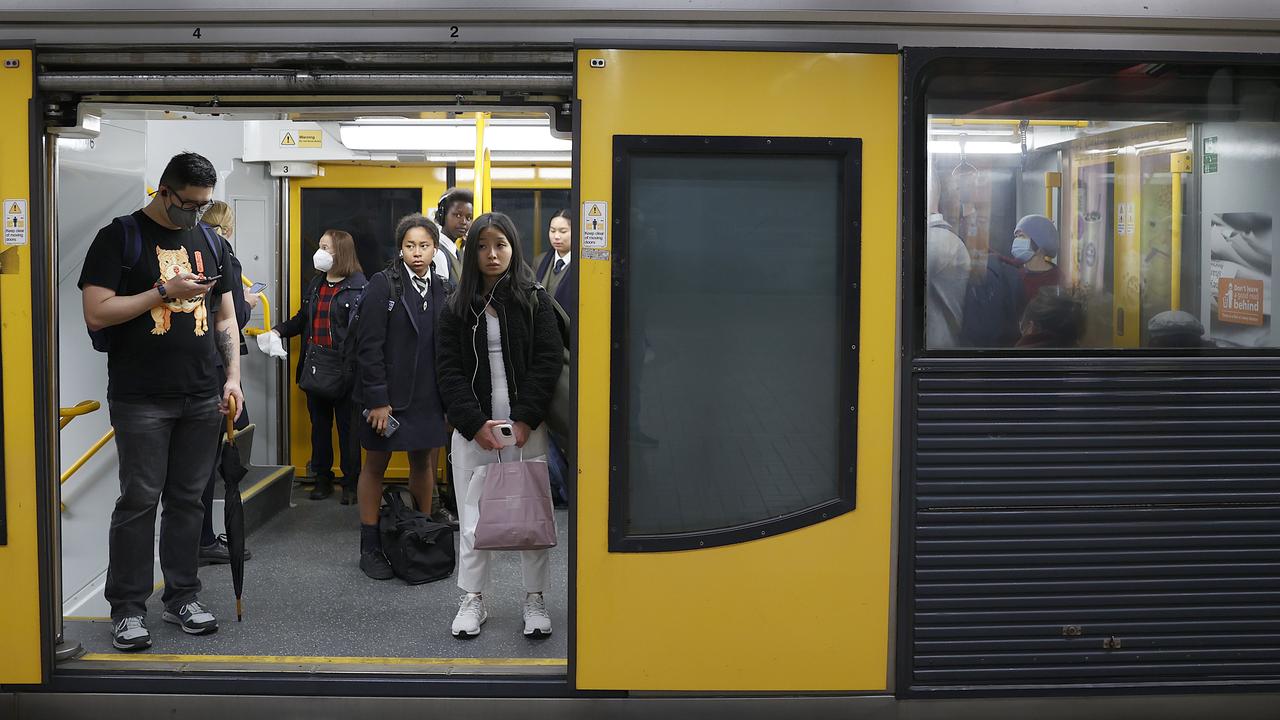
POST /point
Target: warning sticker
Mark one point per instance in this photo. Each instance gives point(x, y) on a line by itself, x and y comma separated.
point(1240, 301)
point(15, 222)
point(595, 224)
point(310, 139)
point(301, 138)
point(594, 254)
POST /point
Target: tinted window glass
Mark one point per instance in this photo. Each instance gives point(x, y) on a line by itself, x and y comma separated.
point(369, 214)
point(733, 325)
point(531, 211)
point(1100, 205)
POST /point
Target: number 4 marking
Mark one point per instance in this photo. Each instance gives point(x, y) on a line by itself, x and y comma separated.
point(196, 34)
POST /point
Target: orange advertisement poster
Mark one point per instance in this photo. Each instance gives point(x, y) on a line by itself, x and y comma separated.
point(1240, 301)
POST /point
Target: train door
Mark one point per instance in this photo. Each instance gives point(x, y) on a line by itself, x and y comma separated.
point(735, 368)
point(23, 660)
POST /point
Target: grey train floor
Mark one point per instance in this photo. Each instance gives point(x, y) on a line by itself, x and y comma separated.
point(305, 596)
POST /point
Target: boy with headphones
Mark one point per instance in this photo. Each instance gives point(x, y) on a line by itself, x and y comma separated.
point(453, 215)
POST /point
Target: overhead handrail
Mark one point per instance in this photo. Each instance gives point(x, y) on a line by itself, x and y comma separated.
point(84, 407)
point(266, 311)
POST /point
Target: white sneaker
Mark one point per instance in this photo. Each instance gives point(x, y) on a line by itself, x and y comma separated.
point(537, 621)
point(471, 615)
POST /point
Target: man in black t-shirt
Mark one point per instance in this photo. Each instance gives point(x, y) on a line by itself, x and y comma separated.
point(169, 316)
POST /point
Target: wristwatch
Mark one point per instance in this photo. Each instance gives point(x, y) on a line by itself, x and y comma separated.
point(163, 295)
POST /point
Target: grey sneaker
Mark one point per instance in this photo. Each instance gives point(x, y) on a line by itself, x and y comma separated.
point(193, 618)
point(537, 621)
point(131, 634)
point(471, 615)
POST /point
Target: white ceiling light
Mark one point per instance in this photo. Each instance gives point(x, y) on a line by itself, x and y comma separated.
point(455, 140)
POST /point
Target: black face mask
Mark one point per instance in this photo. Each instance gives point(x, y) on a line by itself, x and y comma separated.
point(182, 217)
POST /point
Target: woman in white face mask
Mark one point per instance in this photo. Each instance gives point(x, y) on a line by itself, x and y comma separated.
point(322, 322)
point(1035, 242)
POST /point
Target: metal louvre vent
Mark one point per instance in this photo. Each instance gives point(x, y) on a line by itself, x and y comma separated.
point(1095, 528)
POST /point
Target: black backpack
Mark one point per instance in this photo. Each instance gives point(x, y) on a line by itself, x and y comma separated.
point(131, 253)
point(419, 549)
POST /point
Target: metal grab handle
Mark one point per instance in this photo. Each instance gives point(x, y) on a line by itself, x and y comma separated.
point(266, 312)
point(85, 458)
point(84, 407)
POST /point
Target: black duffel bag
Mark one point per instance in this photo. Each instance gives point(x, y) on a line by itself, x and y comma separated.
point(419, 549)
point(325, 373)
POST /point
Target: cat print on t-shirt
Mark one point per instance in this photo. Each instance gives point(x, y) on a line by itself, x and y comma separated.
point(172, 264)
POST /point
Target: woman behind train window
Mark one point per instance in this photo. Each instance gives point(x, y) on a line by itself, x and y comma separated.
point(396, 379)
point(499, 361)
point(322, 320)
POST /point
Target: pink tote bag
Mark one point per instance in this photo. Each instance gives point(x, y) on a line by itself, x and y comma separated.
point(515, 507)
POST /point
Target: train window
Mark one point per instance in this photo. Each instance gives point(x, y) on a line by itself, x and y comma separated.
point(531, 210)
point(1099, 204)
point(369, 214)
point(735, 332)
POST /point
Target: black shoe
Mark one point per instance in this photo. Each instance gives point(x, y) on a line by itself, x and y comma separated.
point(348, 496)
point(375, 565)
point(323, 488)
point(218, 553)
point(444, 517)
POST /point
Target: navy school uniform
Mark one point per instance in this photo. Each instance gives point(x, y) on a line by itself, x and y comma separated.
point(395, 361)
point(563, 295)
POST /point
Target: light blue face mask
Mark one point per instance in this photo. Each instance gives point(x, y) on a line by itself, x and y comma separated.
point(1022, 249)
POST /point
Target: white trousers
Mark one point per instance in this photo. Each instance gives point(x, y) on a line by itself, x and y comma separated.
point(468, 459)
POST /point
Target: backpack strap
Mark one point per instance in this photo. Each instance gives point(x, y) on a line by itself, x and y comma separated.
point(215, 244)
point(132, 249)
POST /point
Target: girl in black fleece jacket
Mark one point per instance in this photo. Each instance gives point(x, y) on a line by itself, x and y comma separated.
point(498, 357)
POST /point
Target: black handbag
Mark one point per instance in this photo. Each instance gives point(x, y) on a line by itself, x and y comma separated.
point(325, 373)
point(419, 549)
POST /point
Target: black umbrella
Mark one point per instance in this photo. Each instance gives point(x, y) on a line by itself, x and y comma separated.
point(233, 471)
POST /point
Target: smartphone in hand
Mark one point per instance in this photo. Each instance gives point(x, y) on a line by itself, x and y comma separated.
point(209, 280)
point(506, 434)
point(257, 287)
point(392, 423)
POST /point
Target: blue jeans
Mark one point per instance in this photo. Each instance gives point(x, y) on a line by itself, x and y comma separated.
point(167, 448)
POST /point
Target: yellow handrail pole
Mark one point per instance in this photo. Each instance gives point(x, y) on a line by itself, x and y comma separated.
point(84, 407)
point(266, 312)
point(481, 175)
point(85, 458)
point(1179, 163)
point(1051, 180)
point(488, 181)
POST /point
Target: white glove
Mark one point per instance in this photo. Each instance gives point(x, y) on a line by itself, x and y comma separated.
point(271, 345)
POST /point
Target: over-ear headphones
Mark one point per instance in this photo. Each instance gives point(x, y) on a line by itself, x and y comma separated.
point(441, 210)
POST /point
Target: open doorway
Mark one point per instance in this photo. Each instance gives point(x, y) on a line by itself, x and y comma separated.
point(288, 180)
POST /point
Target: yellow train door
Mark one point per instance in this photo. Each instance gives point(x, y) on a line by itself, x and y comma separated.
point(735, 357)
point(20, 618)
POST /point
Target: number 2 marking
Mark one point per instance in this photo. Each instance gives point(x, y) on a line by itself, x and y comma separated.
point(453, 31)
